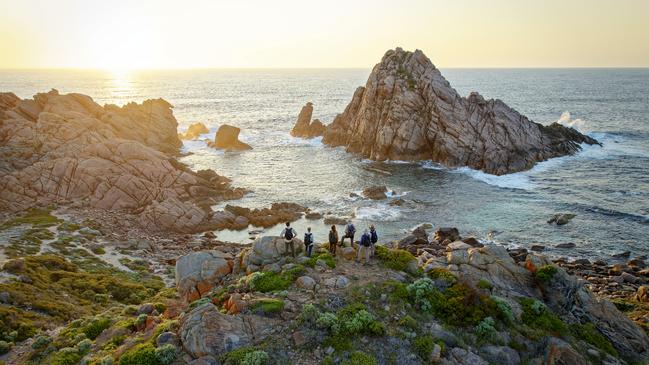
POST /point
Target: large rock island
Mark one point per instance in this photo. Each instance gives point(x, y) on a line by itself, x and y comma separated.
point(409, 111)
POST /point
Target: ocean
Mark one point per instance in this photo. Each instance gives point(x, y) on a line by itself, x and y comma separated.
point(606, 187)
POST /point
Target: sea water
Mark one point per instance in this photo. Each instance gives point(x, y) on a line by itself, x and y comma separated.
point(606, 187)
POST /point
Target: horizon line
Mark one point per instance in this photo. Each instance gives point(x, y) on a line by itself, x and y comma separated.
point(307, 68)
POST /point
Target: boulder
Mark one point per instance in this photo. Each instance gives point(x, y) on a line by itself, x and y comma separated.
point(268, 217)
point(375, 192)
point(566, 245)
point(500, 355)
point(207, 332)
point(642, 294)
point(305, 282)
point(198, 272)
point(268, 250)
point(337, 282)
point(333, 220)
point(561, 218)
point(446, 233)
point(304, 127)
point(408, 111)
point(227, 138)
point(194, 131)
point(348, 253)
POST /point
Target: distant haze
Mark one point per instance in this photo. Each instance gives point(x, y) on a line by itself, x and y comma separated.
point(122, 34)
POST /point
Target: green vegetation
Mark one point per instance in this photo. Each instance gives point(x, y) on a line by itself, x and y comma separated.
point(143, 354)
point(166, 354)
point(408, 322)
point(485, 330)
point(360, 358)
point(423, 346)
point(442, 274)
point(248, 355)
point(458, 305)
point(589, 333)
point(484, 284)
point(538, 317)
point(36, 217)
point(66, 356)
point(96, 327)
point(266, 281)
point(545, 273)
point(53, 290)
point(394, 259)
point(268, 306)
point(324, 256)
point(5, 347)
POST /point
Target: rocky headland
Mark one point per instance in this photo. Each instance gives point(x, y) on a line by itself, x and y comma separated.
point(109, 255)
point(408, 111)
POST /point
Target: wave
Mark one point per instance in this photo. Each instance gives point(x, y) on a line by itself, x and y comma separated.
point(616, 213)
point(381, 213)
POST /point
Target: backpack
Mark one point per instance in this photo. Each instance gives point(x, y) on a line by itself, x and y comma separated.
point(365, 240)
point(333, 237)
point(289, 233)
point(308, 239)
point(351, 229)
point(373, 236)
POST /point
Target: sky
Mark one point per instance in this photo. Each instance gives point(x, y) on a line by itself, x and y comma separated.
point(166, 34)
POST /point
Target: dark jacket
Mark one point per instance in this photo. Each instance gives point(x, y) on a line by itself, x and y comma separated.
point(333, 236)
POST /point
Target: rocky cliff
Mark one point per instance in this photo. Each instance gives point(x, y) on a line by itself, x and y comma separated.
point(409, 111)
point(59, 148)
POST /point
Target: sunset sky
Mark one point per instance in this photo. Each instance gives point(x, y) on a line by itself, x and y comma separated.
point(259, 33)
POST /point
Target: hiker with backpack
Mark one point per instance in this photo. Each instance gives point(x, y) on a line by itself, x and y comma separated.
point(350, 230)
point(364, 247)
point(374, 238)
point(308, 242)
point(333, 240)
point(289, 233)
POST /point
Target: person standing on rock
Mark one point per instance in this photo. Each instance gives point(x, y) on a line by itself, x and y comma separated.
point(333, 240)
point(308, 242)
point(374, 238)
point(364, 247)
point(350, 230)
point(289, 233)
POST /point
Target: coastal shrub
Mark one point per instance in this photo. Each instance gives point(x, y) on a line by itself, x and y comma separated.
point(485, 330)
point(66, 356)
point(324, 256)
point(458, 305)
point(408, 322)
point(545, 273)
point(35, 216)
point(84, 346)
point(328, 321)
point(267, 281)
point(256, 357)
point(107, 360)
point(41, 342)
point(589, 333)
point(537, 316)
point(394, 259)
point(199, 302)
point(166, 354)
point(360, 358)
point(96, 327)
point(143, 354)
point(504, 310)
point(484, 284)
point(4, 347)
point(309, 314)
point(268, 306)
point(423, 347)
point(439, 273)
point(237, 356)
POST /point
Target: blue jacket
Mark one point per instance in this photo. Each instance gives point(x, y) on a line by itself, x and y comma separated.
point(365, 240)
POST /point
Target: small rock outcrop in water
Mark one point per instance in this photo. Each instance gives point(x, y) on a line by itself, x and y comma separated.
point(304, 127)
point(227, 138)
point(408, 111)
point(59, 148)
point(561, 218)
point(194, 131)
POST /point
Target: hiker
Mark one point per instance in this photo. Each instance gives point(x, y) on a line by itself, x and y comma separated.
point(349, 233)
point(308, 242)
point(364, 246)
point(289, 233)
point(374, 238)
point(333, 240)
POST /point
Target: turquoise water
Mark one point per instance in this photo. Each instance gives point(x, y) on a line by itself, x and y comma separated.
point(607, 187)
